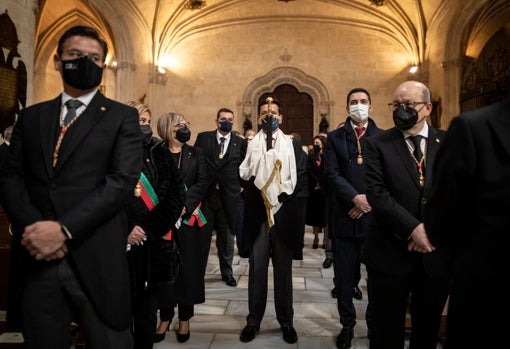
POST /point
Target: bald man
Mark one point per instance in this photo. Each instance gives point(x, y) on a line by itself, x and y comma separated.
point(401, 260)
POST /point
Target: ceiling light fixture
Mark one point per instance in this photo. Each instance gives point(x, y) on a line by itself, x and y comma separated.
point(377, 2)
point(195, 4)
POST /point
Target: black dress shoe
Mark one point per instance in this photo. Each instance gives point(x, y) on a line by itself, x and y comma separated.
point(182, 338)
point(159, 337)
point(248, 333)
point(357, 294)
point(333, 292)
point(343, 340)
point(327, 262)
point(289, 334)
point(229, 280)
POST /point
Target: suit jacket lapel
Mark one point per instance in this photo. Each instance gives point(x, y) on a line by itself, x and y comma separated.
point(48, 120)
point(95, 111)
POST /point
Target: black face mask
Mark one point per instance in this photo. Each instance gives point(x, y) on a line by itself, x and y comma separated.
point(183, 134)
point(316, 148)
point(146, 133)
point(405, 118)
point(82, 73)
point(226, 126)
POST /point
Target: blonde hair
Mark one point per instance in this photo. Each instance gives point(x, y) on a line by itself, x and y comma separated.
point(140, 107)
point(166, 124)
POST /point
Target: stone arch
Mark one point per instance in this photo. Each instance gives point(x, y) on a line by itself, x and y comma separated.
point(292, 76)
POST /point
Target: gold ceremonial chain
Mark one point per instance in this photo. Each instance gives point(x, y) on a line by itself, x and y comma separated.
point(63, 131)
point(360, 157)
point(419, 164)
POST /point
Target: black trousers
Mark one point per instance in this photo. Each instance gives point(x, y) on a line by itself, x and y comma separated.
point(269, 244)
point(54, 298)
point(225, 238)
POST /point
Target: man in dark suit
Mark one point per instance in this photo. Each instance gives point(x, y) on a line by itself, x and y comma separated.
point(467, 219)
point(401, 262)
point(70, 169)
point(345, 173)
point(224, 152)
point(275, 172)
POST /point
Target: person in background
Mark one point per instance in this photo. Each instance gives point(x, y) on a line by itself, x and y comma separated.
point(223, 153)
point(350, 211)
point(152, 212)
point(192, 239)
point(467, 219)
point(315, 208)
point(72, 163)
point(272, 181)
point(403, 265)
point(249, 134)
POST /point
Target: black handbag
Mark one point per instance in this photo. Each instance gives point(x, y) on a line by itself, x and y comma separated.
point(164, 261)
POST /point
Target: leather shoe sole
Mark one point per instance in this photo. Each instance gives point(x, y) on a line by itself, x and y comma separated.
point(289, 334)
point(229, 280)
point(343, 340)
point(248, 333)
point(327, 263)
point(357, 294)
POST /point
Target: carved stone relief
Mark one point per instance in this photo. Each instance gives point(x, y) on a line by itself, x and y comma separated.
point(13, 87)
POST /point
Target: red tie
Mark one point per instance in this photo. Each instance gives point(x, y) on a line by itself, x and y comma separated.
point(359, 131)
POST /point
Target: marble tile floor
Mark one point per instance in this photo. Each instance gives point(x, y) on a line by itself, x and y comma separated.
point(219, 321)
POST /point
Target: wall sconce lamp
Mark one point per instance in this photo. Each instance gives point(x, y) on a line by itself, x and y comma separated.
point(413, 69)
point(158, 75)
point(195, 4)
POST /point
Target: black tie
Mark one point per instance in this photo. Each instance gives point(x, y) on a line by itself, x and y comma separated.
point(71, 105)
point(417, 147)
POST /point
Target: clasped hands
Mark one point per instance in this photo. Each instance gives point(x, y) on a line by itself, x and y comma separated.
point(361, 206)
point(419, 241)
point(45, 240)
point(137, 236)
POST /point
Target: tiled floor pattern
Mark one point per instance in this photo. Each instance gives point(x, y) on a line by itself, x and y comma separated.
point(218, 322)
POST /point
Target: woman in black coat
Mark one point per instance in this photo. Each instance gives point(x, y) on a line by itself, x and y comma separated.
point(316, 205)
point(192, 240)
point(152, 211)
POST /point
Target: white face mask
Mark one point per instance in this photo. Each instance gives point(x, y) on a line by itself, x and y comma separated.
point(358, 112)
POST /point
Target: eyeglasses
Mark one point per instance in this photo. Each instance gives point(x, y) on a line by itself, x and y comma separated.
point(408, 105)
point(183, 125)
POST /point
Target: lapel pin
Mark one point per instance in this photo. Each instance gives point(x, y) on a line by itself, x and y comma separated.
point(437, 140)
point(103, 108)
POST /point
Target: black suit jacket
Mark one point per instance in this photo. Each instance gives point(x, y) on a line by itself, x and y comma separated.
point(467, 216)
point(193, 170)
point(224, 172)
point(99, 164)
point(397, 200)
point(345, 179)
